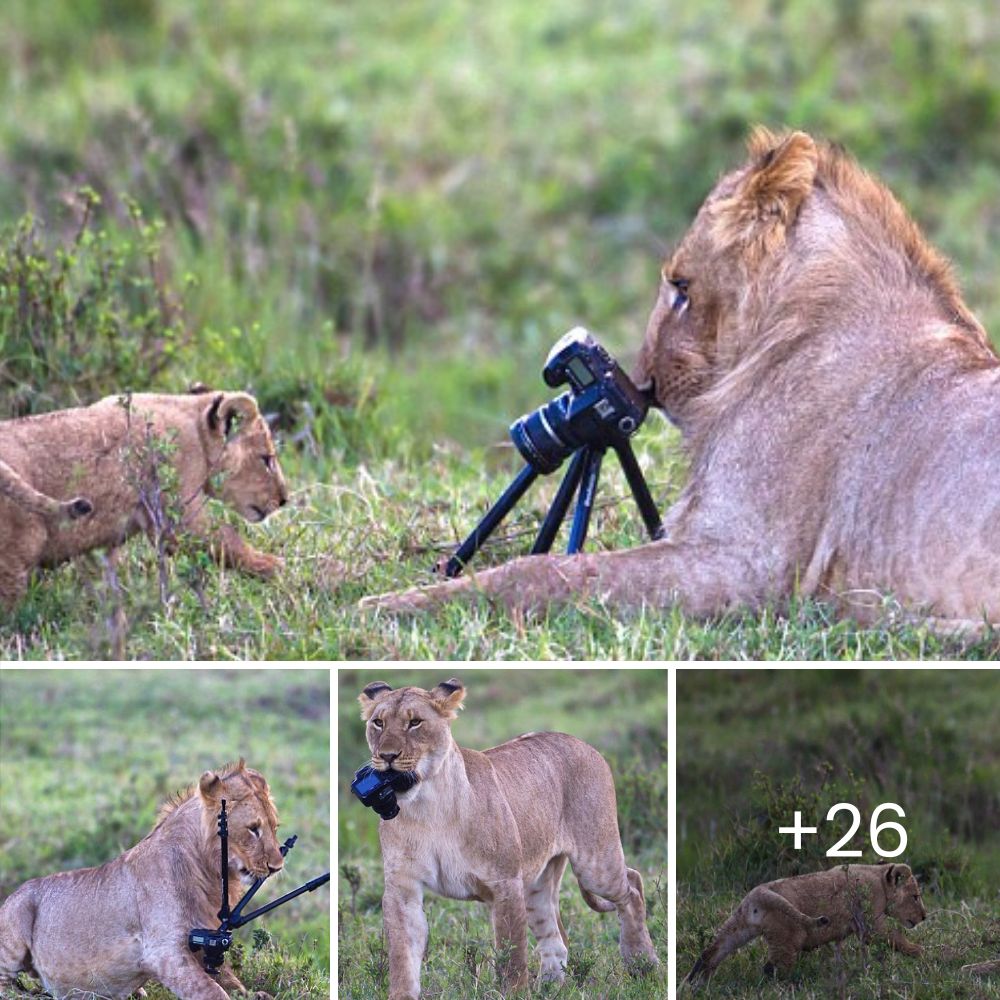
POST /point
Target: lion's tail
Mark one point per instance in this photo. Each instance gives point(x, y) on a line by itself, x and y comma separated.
point(596, 903)
point(18, 489)
point(774, 901)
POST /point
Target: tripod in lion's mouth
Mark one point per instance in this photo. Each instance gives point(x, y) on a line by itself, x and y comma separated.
point(215, 943)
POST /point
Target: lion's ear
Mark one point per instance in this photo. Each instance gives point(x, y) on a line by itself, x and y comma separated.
point(448, 696)
point(210, 786)
point(767, 202)
point(226, 409)
point(897, 874)
point(370, 696)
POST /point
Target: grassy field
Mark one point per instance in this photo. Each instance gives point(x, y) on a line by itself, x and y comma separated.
point(754, 746)
point(623, 714)
point(86, 757)
point(379, 223)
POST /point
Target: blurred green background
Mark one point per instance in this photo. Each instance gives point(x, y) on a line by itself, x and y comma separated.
point(754, 746)
point(378, 218)
point(623, 713)
point(88, 756)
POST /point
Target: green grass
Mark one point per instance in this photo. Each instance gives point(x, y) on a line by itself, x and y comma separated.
point(86, 758)
point(754, 746)
point(380, 223)
point(623, 714)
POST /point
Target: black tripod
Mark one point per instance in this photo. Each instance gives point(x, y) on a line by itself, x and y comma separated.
point(216, 943)
point(581, 477)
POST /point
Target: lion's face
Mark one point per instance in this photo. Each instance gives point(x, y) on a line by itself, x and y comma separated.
point(410, 729)
point(254, 851)
point(252, 482)
point(903, 900)
point(709, 285)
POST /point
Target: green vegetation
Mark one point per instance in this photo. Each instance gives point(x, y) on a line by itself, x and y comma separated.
point(622, 713)
point(754, 746)
point(87, 757)
point(378, 221)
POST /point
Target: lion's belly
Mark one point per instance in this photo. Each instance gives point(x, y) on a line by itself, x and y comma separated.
point(448, 874)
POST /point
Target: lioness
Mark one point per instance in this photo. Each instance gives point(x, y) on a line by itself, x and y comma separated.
point(807, 911)
point(104, 451)
point(498, 827)
point(108, 930)
point(839, 401)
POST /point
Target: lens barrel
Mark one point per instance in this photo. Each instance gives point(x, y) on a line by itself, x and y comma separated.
point(537, 436)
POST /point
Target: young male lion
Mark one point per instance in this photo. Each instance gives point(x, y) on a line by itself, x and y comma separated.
point(217, 443)
point(108, 930)
point(498, 827)
point(840, 403)
point(807, 911)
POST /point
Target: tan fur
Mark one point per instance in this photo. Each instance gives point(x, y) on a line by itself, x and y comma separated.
point(499, 827)
point(983, 969)
point(18, 489)
point(840, 403)
point(808, 911)
point(108, 930)
point(97, 450)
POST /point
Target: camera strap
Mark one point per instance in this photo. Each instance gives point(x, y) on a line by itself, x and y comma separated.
point(215, 943)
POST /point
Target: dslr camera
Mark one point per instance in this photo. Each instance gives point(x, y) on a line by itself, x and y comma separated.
point(377, 789)
point(601, 409)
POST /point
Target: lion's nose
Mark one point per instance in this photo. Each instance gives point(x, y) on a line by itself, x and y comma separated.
point(388, 757)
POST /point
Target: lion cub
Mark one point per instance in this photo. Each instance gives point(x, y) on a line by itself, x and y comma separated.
point(218, 444)
point(498, 827)
point(807, 911)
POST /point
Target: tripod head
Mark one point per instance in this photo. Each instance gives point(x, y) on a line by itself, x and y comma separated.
point(602, 409)
point(215, 943)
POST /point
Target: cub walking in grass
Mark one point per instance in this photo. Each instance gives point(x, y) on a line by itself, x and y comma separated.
point(807, 911)
point(499, 827)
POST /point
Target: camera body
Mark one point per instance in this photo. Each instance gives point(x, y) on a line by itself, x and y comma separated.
point(214, 943)
point(601, 409)
point(377, 789)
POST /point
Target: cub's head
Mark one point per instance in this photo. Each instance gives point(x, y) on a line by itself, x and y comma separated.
point(902, 895)
point(410, 729)
point(250, 478)
point(254, 851)
point(723, 270)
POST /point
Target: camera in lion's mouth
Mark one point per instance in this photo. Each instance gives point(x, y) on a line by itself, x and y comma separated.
point(378, 789)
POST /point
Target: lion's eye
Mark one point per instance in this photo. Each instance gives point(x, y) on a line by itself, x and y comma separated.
point(377, 723)
point(269, 462)
point(255, 830)
point(414, 723)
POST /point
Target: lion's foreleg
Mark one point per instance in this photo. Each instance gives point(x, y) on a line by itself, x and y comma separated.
point(701, 579)
point(900, 942)
point(185, 977)
point(229, 549)
point(510, 932)
point(229, 981)
point(406, 930)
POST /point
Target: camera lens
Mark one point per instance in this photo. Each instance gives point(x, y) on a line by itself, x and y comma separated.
point(538, 436)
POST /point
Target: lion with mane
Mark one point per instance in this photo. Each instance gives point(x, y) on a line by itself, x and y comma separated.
point(108, 930)
point(839, 402)
point(217, 443)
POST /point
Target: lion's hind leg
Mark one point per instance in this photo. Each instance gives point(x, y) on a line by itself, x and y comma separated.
point(622, 887)
point(737, 931)
point(542, 905)
point(17, 918)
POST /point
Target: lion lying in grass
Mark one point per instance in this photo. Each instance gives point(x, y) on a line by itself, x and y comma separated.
point(808, 911)
point(108, 930)
point(839, 401)
point(115, 453)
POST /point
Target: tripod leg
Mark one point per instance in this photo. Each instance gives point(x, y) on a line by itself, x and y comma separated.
point(585, 501)
point(557, 512)
point(637, 483)
point(490, 520)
